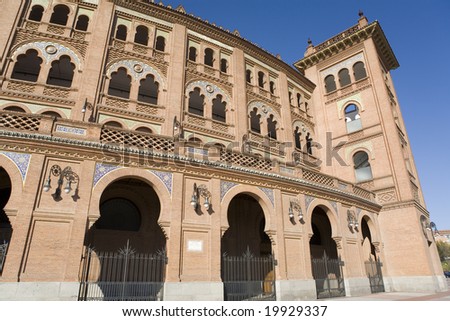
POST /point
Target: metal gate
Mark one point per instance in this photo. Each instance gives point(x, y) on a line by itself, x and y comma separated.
point(248, 278)
point(373, 270)
point(328, 276)
point(122, 276)
point(3, 250)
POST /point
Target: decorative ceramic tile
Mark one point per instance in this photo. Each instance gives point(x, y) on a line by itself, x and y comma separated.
point(263, 109)
point(335, 206)
point(21, 160)
point(308, 200)
point(137, 69)
point(166, 178)
point(269, 193)
point(101, 170)
point(50, 51)
point(71, 130)
point(192, 150)
point(225, 187)
point(209, 90)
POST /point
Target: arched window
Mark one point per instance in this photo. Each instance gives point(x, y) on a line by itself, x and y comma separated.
point(82, 23)
point(51, 113)
point(196, 102)
point(141, 35)
point(330, 84)
point(36, 13)
point(352, 118)
point(309, 143)
point(272, 127)
point(113, 124)
point(60, 15)
point(248, 76)
point(255, 125)
point(14, 108)
point(290, 97)
point(363, 171)
point(209, 57)
point(160, 43)
point(27, 67)
point(120, 84)
point(121, 32)
point(61, 73)
point(192, 54)
point(218, 109)
point(261, 80)
point(144, 130)
point(272, 87)
point(148, 90)
point(299, 100)
point(223, 65)
point(344, 77)
point(359, 71)
point(297, 138)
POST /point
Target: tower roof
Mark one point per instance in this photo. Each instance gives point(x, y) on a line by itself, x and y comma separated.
point(346, 39)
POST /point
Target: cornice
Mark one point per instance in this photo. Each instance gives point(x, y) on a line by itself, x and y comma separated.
point(347, 39)
point(79, 149)
point(411, 203)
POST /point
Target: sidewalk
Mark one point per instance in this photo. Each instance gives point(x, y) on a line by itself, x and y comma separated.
point(399, 296)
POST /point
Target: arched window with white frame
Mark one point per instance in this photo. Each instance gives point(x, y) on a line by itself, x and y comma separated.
point(352, 118)
point(363, 170)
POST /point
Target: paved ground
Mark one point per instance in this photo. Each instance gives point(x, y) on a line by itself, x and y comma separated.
point(400, 296)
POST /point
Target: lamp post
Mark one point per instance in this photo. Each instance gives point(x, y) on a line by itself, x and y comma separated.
point(294, 207)
point(198, 192)
point(67, 175)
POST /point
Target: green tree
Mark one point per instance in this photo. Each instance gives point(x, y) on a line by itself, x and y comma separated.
point(444, 254)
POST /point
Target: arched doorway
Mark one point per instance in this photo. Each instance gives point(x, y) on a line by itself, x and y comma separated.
point(125, 248)
point(326, 264)
point(247, 262)
point(372, 262)
point(5, 225)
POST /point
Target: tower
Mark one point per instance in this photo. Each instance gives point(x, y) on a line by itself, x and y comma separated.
point(363, 139)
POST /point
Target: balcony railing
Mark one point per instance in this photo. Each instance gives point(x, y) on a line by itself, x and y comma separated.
point(97, 136)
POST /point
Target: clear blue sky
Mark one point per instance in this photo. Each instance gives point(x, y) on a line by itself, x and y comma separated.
point(419, 33)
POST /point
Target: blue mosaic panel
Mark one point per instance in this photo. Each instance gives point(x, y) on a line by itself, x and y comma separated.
point(335, 206)
point(225, 187)
point(21, 160)
point(166, 178)
point(101, 170)
point(269, 193)
point(308, 200)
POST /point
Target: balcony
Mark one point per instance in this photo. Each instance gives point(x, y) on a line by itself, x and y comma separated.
point(116, 142)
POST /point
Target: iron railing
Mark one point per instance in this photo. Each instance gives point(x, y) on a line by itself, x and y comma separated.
point(373, 270)
point(248, 278)
point(3, 250)
point(328, 276)
point(122, 276)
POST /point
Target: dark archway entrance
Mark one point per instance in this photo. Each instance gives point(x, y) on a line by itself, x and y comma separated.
point(372, 262)
point(248, 267)
point(326, 264)
point(5, 225)
point(125, 255)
